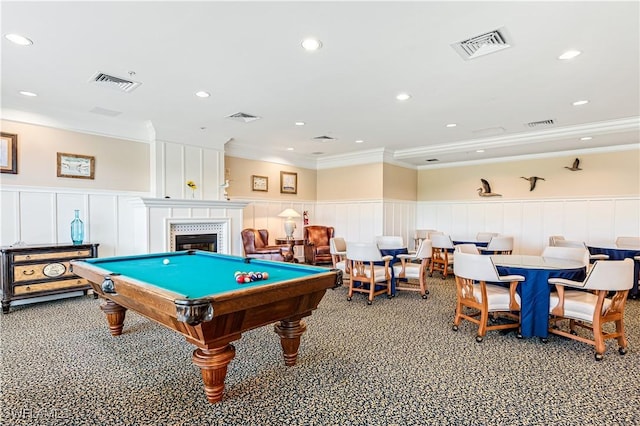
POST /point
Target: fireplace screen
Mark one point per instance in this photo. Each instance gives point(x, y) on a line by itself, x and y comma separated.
point(206, 242)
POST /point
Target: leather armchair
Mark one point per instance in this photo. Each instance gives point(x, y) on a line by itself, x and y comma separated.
point(256, 245)
point(316, 244)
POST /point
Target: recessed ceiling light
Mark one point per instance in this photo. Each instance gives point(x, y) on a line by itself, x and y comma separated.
point(203, 94)
point(25, 93)
point(289, 149)
point(586, 138)
point(311, 44)
point(578, 103)
point(359, 141)
point(299, 123)
point(569, 54)
point(402, 96)
point(18, 39)
point(479, 150)
point(451, 125)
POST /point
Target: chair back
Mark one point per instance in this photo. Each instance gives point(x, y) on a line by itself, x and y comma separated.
point(319, 235)
point(580, 254)
point(337, 245)
point(485, 237)
point(628, 242)
point(467, 248)
point(553, 240)
point(431, 233)
point(475, 267)
point(500, 244)
point(612, 275)
point(253, 239)
point(365, 252)
point(389, 242)
point(569, 243)
point(441, 241)
point(424, 250)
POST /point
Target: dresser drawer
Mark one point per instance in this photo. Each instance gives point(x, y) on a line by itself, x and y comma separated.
point(71, 254)
point(41, 271)
point(56, 285)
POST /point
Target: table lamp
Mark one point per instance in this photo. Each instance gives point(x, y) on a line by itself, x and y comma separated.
point(289, 223)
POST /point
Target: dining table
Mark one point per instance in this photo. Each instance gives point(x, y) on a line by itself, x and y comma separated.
point(621, 253)
point(474, 242)
point(535, 290)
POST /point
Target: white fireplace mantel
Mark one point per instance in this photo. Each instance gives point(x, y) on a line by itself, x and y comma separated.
point(188, 203)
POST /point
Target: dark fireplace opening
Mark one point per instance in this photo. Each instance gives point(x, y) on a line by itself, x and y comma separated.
point(206, 242)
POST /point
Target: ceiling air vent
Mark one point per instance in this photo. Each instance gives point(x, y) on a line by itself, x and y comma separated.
point(243, 117)
point(324, 139)
point(121, 84)
point(483, 44)
point(541, 123)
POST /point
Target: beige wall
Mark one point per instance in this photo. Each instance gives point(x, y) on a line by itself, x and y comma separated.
point(400, 183)
point(362, 182)
point(239, 172)
point(119, 165)
point(603, 174)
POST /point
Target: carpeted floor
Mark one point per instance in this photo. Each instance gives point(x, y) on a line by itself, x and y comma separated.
point(396, 362)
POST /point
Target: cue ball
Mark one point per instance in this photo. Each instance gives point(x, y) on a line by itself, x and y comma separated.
point(166, 261)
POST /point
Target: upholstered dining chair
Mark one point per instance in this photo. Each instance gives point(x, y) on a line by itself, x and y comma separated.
point(554, 239)
point(441, 254)
point(485, 237)
point(421, 234)
point(579, 254)
point(628, 242)
point(316, 244)
point(477, 295)
point(580, 244)
point(365, 276)
point(467, 248)
point(256, 245)
point(338, 250)
point(499, 245)
point(389, 242)
point(414, 267)
point(591, 310)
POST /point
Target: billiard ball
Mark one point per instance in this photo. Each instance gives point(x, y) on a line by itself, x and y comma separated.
point(166, 261)
point(265, 275)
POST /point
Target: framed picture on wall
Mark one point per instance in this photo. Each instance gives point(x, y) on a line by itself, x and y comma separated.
point(76, 166)
point(260, 183)
point(9, 153)
point(288, 183)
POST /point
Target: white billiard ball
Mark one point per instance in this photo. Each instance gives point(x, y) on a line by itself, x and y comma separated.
point(166, 261)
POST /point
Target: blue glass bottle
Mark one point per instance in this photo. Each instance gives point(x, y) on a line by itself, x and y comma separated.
point(77, 229)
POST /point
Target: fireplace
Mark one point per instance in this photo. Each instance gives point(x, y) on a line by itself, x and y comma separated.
point(199, 234)
point(206, 242)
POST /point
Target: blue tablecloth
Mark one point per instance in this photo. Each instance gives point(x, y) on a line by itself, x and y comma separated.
point(534, 294)
point(393, 252)
point(621, 254)
point(476, 243)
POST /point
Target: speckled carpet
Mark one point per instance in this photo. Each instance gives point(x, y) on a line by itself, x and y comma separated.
point(396, 362)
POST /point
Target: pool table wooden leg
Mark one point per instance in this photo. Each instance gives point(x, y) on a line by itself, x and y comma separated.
point(290, 332)
point(213, 365)
point(115, 316)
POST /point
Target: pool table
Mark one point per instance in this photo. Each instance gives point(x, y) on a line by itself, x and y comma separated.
point(196, 294)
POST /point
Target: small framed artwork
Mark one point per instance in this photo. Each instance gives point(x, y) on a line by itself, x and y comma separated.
point(76, 166)
point(260, 183)
point(288, 183)
point(9, 153)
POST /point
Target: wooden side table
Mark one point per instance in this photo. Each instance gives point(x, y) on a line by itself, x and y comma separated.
point(292, 242)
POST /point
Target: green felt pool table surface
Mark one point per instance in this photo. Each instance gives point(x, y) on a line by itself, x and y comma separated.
point(197, 274)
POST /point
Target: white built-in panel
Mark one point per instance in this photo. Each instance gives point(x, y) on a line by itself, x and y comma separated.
point(627, 218)
point(38, 218)
point(445, 220)
point(175, 184)
point(66, 203)
point(126, 231)
point(9, 218)
point(476, 219)
point(158, 234)
point(193, 170)
point(212, 178)
point(576, 226)
point(601, 220)
point(532, 230)
point(554, 223)
point(512, 224)
point(494, 217)
point(103, 223)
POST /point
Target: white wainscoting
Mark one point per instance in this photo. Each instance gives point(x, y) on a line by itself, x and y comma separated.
point(43, 216)
point(531, 222)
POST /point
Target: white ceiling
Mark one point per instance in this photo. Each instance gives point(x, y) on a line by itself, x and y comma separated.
point(248, 56)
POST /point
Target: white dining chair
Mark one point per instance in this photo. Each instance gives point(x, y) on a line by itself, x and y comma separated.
point(412, 267)
point(499, 245)
point(628, 242)
point(579, 254)
point(477, 297)
point(364, 275)
point(441, 254)
point(485, 237)
point(592, 309)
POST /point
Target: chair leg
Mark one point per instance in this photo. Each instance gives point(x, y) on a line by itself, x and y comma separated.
point(622, 340)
